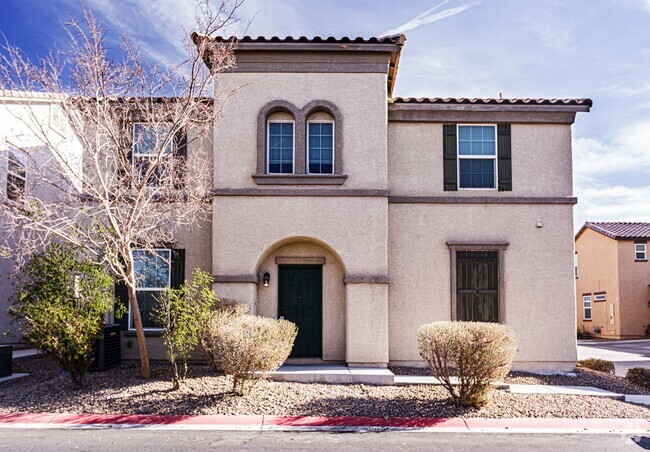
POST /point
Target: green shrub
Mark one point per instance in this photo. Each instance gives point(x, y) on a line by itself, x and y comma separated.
point(224, 311)
point(639, 376)
point(477, 353)
point(182, 313)
point(600, 365)
point(247, 346)
point(60, 306)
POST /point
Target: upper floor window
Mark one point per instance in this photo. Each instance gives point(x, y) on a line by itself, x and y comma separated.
point(153, 144)
point(575, 265)
point(477, 156)
point(16, 176)
point(320, 145)
point(640, 252)
point(280, 144)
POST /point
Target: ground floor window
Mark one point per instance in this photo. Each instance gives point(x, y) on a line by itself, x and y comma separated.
point(586, 303)
point(153, 276)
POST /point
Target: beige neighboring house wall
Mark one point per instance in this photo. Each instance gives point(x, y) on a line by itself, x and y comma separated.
point(386, 232)
point(607, 265)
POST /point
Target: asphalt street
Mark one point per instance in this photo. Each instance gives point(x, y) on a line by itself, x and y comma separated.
point(170, 440)
point(624, 354)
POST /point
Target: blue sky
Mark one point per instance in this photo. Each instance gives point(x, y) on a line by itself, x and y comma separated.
point(522, 48)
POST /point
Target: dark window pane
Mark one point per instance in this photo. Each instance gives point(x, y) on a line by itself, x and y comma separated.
point(326, 168)
point(15, 187)
point(274, 167)
point(148, 301)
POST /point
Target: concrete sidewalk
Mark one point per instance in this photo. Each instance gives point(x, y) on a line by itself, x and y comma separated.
point(308, 423)
point(625, 354)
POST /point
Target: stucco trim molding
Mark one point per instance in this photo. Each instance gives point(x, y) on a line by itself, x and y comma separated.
point(500, 248)
point(300, 116)
point(321, 192)
point(366, 279)
point(299, 179)
point(243, 278)
point(482, 200)
point(298, 260)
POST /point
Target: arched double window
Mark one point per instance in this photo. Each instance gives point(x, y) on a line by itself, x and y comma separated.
point(299, 146)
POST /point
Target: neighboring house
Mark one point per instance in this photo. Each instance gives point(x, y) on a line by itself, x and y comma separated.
point(613, 279)
point(360, 216)
point(27, 120)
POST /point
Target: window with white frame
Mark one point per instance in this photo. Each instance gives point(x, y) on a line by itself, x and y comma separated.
point(477, 157)
point(16, 177)
point(586, 305)
point(151, 142)
point(575, 265)
point(153, 275)
point(640, 252)
point(280, 151)
point(320, 146)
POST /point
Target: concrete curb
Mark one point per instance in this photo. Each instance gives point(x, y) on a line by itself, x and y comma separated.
point(310, 423)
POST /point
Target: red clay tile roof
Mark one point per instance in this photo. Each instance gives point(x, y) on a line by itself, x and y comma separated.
point(488, 101)
point(394, 39)
point(620, 230)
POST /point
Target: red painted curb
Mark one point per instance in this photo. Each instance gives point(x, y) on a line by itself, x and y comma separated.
point(291, 422)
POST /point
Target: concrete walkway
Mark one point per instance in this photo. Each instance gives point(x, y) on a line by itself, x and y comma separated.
point(624, 354)
point(24, 353)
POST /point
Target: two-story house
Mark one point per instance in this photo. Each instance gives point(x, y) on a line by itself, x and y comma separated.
point(360, 216)
point(613, 279)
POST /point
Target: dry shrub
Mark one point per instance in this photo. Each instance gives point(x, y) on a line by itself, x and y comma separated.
point(247, 346)
point(225, 311)
point(639, 376)
point(477, 353)
point(600, 365)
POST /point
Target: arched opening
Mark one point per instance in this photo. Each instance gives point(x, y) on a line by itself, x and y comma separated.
point(306, 287)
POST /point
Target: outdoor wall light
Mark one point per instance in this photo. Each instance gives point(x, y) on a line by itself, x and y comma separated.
point(266, 279)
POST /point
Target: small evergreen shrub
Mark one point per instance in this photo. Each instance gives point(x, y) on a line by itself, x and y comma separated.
point(477, 353)
point(247, 346)
point(600, 365)
point(639, 376)
point(60, 305)
point(182, 313)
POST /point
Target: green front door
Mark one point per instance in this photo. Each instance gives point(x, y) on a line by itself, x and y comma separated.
point(300, 300)
point(477, 282)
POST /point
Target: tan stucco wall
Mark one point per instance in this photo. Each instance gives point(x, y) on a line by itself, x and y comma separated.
point(361, 98)
point(541, 161)
point(333, 294)
point(539, 290)
point(634, 277)
point(597, 272)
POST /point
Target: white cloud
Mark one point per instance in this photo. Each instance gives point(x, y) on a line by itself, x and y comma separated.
point(430, 16)
point(612, 179)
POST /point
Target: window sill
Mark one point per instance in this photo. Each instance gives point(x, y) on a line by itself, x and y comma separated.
point(586, 320)
point(299, 179)
point(640, 260)
point(147, 333)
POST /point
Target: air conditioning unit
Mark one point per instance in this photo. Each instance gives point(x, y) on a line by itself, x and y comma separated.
point(6, 355)
point(108, 349)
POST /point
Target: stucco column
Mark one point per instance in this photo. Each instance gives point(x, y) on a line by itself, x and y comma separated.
point(241, 292)
point(367, 323)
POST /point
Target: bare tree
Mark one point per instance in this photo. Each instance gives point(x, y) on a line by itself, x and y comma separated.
point(135, 185)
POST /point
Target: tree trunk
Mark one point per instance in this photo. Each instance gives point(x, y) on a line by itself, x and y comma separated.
point(137, 322)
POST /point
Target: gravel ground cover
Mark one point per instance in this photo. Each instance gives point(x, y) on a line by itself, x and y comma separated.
point(121, 391)
point(583, 377)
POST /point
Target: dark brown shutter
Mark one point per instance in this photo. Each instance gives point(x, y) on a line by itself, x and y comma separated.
point(122, 298)
point(450, 157)
point(125, 148)
point(504, 144)
point(180, 158)
point(178, 268)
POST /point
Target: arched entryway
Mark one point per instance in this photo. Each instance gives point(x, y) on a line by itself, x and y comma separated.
point(306, 287)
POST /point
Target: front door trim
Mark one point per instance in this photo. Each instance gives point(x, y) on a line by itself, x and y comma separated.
point(500, 247)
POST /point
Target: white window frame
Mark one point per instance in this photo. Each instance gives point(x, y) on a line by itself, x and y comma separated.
point(641, 248)
point(478, 157)
point(138, 155)
point(322, 121)
point(586, 299)
point(600, 297)
point(153, 289)
point(268, 144)
point(575, 264)
point(12, 157)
